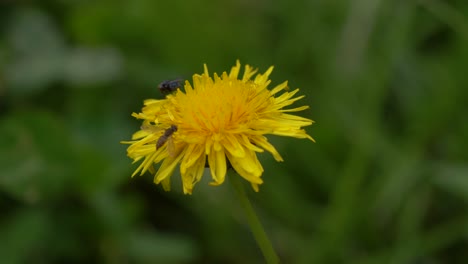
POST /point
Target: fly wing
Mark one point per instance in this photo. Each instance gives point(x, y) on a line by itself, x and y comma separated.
point(170, 147)
point(150, 128)
point(154, 130)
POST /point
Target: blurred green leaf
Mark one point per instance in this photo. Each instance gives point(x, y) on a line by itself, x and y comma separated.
point(24, 235)
point(32, 31)
point(39, 50)
point(32, 167)
point(90, 66)
point(150, 247)
point(453, 178)
point(33, 73)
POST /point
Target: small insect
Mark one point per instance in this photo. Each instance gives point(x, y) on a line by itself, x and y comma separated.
point(167, 137)
point(169, 86)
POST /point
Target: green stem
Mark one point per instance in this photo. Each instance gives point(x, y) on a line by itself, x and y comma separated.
point(257, 229)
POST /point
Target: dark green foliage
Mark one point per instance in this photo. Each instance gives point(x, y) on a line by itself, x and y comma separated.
point(386, 182)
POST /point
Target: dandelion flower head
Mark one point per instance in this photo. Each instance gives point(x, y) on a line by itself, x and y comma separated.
point(218, 122)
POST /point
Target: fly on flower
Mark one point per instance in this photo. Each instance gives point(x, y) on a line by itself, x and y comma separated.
point(165, 138)
point(169, 86)
point(221, 120)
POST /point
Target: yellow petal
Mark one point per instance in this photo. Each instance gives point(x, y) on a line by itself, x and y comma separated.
point(231, 143)
point(235, 70)
point(279, 87)
point(166, 184)
point(167, 168)
point(262, 141)
point(217, 162)
point(254, 186)
point(248, 73)
point(192, 155)
point(193, 174)
point(249, 167)
point(297, 109)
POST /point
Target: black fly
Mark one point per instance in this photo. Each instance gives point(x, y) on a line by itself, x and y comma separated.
point(169, 86)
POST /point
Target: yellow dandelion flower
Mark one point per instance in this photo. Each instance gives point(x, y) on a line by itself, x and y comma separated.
point(218, 122)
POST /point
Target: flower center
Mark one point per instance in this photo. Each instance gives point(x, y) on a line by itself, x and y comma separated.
point(221, 106)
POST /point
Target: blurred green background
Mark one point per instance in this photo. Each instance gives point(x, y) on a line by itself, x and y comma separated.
point(386, 182)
